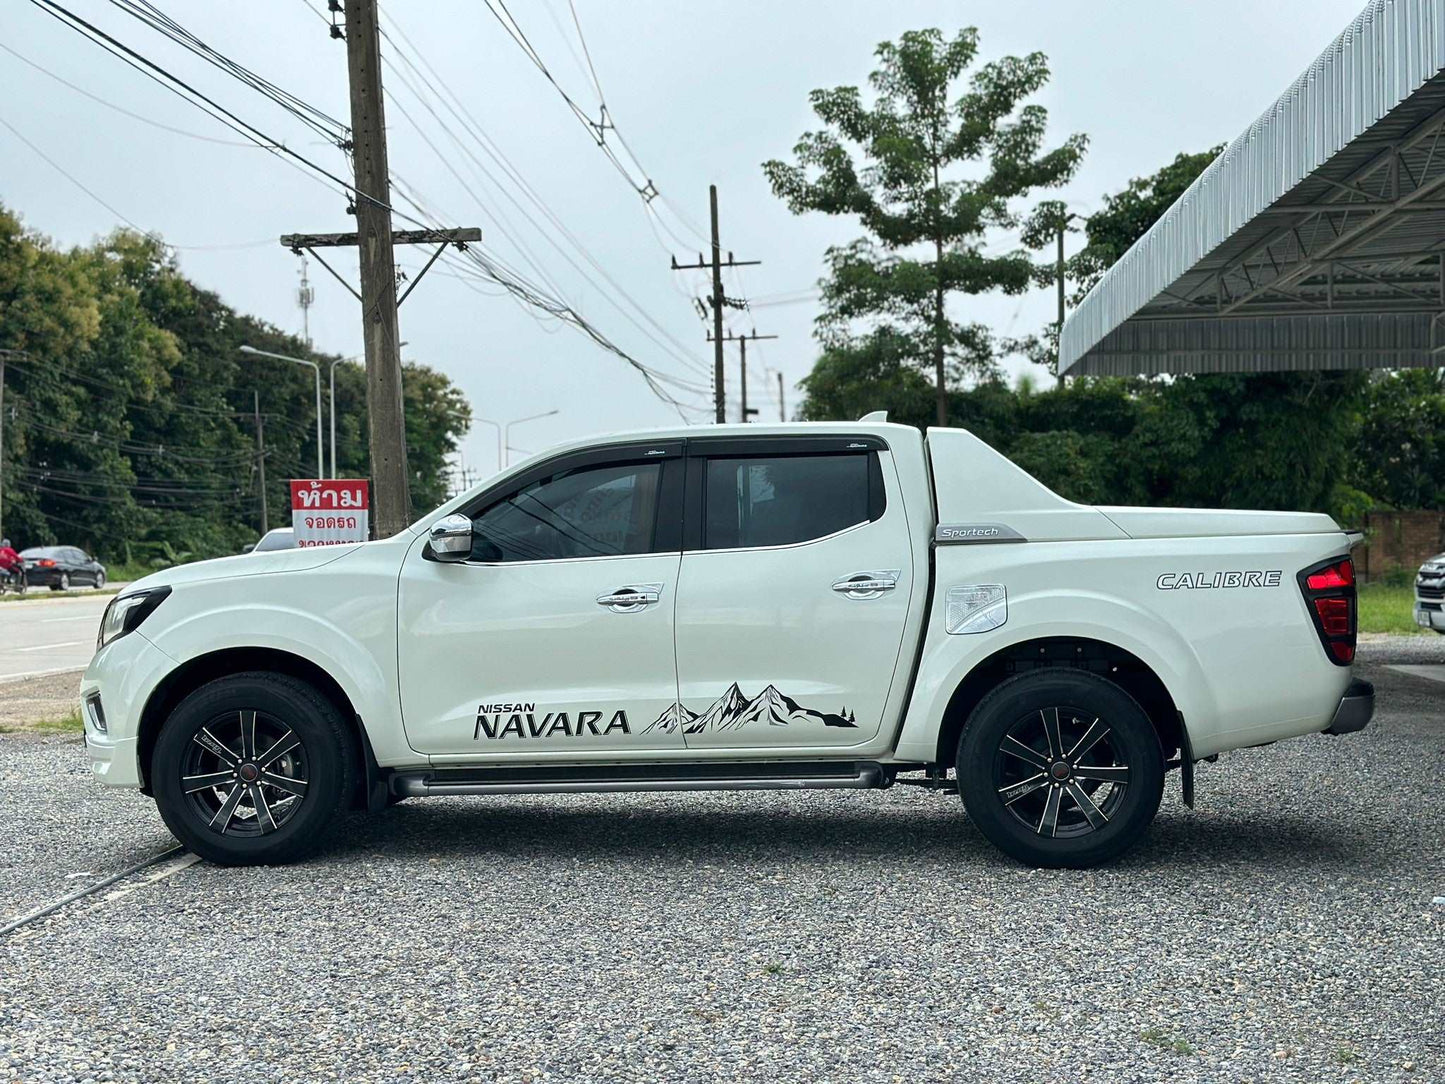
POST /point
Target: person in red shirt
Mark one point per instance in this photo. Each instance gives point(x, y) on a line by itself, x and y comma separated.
point(11, 567)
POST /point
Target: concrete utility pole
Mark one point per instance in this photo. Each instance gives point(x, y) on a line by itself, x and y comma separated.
point(1059, 280)
point(717, 302)
point(261, 459)
point(745, 411)
point(1059, 277)
point(375, 240)
point(386, 423)
point(717, 308)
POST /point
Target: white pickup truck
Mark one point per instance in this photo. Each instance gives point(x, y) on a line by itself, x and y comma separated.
point(732, 607)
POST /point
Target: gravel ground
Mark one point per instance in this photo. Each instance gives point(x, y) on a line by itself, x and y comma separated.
point(25, 701)
point(1284, 930)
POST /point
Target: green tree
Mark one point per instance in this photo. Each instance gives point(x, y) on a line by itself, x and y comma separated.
point(938, 170)
point(1127, 215)
point(129, 419)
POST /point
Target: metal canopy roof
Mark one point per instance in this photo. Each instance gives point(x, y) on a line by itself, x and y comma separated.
point(1315, 241)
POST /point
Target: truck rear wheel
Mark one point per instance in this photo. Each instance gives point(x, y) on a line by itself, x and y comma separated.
point(1060, 768)
point(253, 769)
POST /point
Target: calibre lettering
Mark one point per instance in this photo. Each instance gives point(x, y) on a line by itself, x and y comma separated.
point(1205, 581)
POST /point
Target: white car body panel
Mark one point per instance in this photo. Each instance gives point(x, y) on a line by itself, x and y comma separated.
point(417, 646)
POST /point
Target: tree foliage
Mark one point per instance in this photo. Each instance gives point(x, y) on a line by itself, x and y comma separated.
point(935, 168)
point(1335, 442)
point(129, 424)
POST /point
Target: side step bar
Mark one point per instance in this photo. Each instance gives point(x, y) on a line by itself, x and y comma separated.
point(660, 777)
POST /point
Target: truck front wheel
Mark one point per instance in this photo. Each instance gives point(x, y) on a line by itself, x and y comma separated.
point(253, 769)
point(1060, 768)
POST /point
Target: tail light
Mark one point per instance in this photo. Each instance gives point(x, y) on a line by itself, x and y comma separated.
point(1329, 591)
point(45, 562)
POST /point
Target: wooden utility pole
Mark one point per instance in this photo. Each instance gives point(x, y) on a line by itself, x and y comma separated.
point(782, 411)
point(717, 302)
point(386, 424)
point(261, 459)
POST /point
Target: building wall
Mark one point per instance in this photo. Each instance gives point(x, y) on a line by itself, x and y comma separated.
point(1399, 540)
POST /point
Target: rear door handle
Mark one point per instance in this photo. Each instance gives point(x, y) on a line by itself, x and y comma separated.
point(631, 598)
point(862, 585)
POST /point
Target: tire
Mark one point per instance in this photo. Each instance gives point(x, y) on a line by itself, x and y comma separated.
point(303, 789)
point(63, 584)
point(1085, 811)
point(99, 580)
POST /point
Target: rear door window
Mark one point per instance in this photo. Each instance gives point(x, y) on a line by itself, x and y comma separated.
point(782, 500)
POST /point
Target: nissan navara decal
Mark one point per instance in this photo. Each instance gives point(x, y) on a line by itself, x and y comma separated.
point(523, 720)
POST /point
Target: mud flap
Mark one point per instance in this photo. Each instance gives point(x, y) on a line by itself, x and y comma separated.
point(1186, 764)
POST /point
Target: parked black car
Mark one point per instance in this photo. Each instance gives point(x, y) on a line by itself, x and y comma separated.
point(61, 567)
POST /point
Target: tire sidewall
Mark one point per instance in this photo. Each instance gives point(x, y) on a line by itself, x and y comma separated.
point(315, 722)
point(1015, 698)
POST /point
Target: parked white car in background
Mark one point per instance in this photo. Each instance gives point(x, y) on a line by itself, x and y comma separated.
point(1430, 594)
point(744, 607)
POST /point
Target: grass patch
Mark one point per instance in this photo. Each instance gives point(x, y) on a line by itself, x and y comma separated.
point(1346, 1055)
point(1164, 1041)
point(69, 723)
point(36, 594)
point(122, 573)
point(1388, 608)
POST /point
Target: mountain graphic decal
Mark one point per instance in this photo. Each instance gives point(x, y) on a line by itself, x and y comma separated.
point(673, 717)
point(734, 711)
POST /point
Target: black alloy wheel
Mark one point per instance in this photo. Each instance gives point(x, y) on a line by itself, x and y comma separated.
point(1058, 773)
point(245, 773)
point(1060, 768)
point(254, 768)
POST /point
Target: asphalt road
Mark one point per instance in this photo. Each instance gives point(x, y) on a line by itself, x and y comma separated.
point(1285, 929)
point(48, 635)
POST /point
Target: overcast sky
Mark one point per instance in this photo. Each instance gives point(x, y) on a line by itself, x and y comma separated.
point(701, 93)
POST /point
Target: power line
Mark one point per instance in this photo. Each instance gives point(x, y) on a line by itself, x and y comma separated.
point(126, 112)
point(677, 350)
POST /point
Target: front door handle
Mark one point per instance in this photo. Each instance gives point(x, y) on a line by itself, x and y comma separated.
point(863, 585)
point(631, 598)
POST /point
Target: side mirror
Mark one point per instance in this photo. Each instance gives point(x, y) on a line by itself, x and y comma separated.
point(450, 538)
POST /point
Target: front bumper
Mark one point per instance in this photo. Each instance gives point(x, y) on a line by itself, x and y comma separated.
point(1356, 709)
point(1430, 615)
point(121, 677)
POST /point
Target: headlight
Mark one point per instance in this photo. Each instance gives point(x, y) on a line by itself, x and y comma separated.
point(126, 612)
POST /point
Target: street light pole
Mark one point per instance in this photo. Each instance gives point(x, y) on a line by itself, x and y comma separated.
point(498, 427)
point(507, 429)
point(320, 451)
point(504, 434)
point(332, 401)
